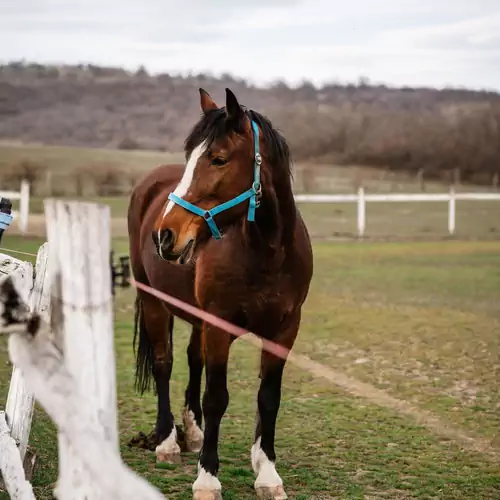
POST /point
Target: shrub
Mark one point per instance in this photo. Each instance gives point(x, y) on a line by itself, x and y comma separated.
point(128, 143)
point(101, 179)
point(28, 170)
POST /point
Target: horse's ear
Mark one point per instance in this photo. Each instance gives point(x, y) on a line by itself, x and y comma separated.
point(235, 113)
point(207, 103)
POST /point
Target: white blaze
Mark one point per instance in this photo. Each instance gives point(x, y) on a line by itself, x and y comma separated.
point(185, 183)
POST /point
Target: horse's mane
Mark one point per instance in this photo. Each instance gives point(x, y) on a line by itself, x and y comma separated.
point(213, 126)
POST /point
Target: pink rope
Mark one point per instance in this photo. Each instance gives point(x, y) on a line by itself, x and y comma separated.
point(279, 351)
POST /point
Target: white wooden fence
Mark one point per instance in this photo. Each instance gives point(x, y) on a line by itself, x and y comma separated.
point(69, 364)
point(23, 195)
point(361, 199)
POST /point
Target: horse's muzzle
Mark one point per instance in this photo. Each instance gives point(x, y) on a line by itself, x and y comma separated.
point(164, 241)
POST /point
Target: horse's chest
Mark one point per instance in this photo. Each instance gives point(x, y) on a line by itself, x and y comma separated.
point(266, 309)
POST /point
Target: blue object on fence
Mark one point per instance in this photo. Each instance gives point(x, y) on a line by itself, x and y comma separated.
point(5, 220)
point(5, 215)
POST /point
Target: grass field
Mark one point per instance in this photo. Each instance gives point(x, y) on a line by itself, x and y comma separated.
point(62, 162)
point(419, 320)
point(397, 221)
point(401, 221)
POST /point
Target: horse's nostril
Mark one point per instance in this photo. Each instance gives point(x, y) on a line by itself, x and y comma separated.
point(167, 238)
point(163, 240)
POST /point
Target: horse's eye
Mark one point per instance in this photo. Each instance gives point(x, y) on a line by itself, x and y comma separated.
point(219, 162)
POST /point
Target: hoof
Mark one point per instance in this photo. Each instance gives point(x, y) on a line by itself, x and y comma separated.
point(169, 458)
point(194, 446)
point(207, 495)
point(271, 492)
point(193, 434)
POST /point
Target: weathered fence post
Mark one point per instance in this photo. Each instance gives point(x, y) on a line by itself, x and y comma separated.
point(79, 242)
point(20, 400)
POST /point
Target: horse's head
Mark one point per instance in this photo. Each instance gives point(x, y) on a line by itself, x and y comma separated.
point(221, 181)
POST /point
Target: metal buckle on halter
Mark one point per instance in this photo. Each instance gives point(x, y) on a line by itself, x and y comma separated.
point(257, 187)
point(258, 159)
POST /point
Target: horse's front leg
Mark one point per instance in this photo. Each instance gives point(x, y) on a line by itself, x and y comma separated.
point(191, 414)
point(215, 401)
point(269, 484)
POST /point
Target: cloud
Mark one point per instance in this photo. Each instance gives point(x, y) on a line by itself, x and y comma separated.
point(476, 31)
point(400, 42)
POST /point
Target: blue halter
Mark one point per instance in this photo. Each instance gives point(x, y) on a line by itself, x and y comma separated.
point(253, 193)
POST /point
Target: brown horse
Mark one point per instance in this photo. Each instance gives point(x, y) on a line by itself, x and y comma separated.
point(222, 233)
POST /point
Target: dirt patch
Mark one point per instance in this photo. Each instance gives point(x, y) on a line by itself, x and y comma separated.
point(382, 398)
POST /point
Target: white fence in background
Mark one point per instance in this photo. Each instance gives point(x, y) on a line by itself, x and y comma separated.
point(361, 199)
point(23, 195)
point(68, 365)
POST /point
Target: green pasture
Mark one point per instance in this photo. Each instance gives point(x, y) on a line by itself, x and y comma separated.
point(419, 320)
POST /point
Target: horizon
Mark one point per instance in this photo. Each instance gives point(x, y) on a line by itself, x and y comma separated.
point(410, 43)
point(259, 85)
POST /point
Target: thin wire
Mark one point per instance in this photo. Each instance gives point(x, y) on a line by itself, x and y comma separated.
point(8, 250)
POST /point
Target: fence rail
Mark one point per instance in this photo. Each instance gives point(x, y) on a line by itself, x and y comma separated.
point(23, 195)
point(361, 199)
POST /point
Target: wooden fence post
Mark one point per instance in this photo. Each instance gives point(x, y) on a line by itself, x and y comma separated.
point(451, 211)
point(79, 243)
point(24, 206)
point(361, 211)
point(20, 400)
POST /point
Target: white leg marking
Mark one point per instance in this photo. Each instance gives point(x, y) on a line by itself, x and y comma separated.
point(168, 446)
point(194, 435)
point(185, 183)
point(264, 468)
point(205, 481)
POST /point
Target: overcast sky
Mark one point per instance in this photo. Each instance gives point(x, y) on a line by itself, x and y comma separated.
point(398, 42)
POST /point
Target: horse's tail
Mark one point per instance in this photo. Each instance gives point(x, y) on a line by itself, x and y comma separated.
point(144, 351)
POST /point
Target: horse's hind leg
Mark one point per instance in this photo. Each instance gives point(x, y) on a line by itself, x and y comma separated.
point(269, 484)
point(191, 414)
point(155, 356)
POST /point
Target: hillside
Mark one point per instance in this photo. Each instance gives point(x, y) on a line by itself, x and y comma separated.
point(407, 128)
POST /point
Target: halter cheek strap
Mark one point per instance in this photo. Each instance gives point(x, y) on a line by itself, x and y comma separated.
point(253, 194)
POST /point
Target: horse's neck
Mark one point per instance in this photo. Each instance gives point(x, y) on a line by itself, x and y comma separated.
point(271, 234)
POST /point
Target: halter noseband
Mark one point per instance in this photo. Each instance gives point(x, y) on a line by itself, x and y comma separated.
point(253, 193)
